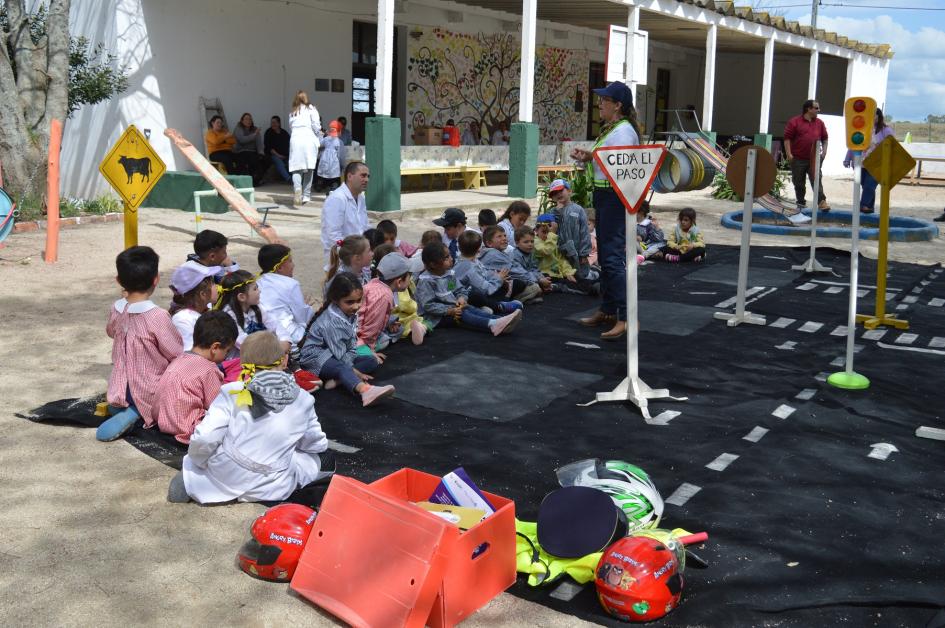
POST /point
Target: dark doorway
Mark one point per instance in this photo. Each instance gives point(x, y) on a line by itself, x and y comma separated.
point(662, 100)
point(595, 80)
point(363, 77)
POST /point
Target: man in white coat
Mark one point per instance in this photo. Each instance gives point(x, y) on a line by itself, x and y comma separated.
point(345, 212)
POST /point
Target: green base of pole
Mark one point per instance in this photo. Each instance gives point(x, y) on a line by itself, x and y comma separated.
point(849, 381)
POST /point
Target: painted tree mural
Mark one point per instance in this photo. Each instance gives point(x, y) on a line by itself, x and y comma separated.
point(476, 78)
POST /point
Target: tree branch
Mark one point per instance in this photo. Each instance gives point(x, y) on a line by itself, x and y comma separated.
point(57, 66)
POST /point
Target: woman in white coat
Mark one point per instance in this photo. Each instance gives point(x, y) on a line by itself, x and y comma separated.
point(305, 125)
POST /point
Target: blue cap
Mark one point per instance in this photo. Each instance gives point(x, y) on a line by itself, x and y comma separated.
point(617, 91)
point(558, 184)
point(546, 218)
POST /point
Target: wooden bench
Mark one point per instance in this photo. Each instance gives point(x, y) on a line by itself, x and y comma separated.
point(917, 171)
point(472, 175)
point(554, 171)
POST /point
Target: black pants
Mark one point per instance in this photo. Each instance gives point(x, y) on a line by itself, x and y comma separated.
point(801, 172)
point(251, 163)
point(688, 256)
point(228, 159)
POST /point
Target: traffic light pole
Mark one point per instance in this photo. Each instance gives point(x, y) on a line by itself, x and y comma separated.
point(812, 265)
point(848, 378)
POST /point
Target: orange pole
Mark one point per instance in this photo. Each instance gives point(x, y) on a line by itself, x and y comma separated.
point(52, 192)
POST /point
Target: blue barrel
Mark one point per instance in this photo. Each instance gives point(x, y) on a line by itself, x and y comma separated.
point(7, 215)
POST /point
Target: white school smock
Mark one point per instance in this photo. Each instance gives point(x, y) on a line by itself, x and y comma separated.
point(234, 456)
point(342, 216)
point(306, 129)
point(184, 320)
point(282, 298)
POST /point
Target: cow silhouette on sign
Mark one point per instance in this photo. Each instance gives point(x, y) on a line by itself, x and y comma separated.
point(135, 166)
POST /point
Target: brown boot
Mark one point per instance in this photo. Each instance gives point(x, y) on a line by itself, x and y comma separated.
point(599, 318)
point(619, 331)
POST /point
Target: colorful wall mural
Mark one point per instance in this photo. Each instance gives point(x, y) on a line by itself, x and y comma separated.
point(475, 77)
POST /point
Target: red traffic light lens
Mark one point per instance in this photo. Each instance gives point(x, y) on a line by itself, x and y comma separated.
point(859, 105)
point(857, 138)
point(858, 122)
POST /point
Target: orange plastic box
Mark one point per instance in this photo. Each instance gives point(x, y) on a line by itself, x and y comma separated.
point(375, 559)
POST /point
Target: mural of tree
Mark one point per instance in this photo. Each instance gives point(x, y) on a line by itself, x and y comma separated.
point(476, 77)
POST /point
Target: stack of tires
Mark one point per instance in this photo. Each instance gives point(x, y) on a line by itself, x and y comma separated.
point(683, 170)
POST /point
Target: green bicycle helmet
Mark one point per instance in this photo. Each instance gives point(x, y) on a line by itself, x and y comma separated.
point(629, 486)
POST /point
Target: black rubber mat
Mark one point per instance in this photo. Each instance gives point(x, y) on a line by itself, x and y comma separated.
point(805, 528)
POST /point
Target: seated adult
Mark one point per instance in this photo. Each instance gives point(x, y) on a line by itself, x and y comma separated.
point(249, 148)
point(501, 135)
point(276, 143)
point(472, 136)
point(220, 144)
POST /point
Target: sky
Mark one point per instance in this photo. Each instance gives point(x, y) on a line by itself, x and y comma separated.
point(917, 71)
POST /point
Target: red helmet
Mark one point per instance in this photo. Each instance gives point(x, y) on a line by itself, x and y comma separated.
point(278, 536)
point(638, 579)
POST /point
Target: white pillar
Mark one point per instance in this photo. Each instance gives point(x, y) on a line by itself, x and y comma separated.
point(848, 90)
point(526, 97)
point(812, 80)
point(766, 86)
point(385, 56)
point(633, 25)
point(708, 93)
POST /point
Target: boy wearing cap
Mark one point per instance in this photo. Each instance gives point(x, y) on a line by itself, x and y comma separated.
point(453, 222)
point(145, 342)
point(193, 380)
point(574, 236)
point(377, 304)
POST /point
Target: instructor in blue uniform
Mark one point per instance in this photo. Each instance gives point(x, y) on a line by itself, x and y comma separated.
point(619, 128)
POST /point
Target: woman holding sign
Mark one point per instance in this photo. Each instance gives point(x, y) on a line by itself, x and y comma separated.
point(619, 128)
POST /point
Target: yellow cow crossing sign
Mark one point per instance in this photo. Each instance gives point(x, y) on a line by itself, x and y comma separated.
point(132, 167)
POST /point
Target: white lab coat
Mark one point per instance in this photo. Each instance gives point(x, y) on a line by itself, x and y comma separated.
point(281, 297)
point(234, 456)
point(185, 320)
point(306, 129)
point(342, 216)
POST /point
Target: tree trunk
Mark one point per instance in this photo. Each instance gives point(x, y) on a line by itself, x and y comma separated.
point(33, 97)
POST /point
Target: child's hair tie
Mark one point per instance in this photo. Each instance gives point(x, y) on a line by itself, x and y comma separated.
point(339, 242)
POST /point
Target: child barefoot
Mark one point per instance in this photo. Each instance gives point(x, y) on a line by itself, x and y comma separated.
point(685, 243)
point(376, 325)
point(145, 342)
point(194, 291)
point(259, 441)
point(330, 347)
point(193, 380)
point(442, 299)
point(351, 255)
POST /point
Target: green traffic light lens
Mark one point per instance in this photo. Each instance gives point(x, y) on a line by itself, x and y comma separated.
point(857, 138)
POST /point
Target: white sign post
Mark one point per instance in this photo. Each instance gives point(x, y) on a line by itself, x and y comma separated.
point(631, 170)
point(812, 265)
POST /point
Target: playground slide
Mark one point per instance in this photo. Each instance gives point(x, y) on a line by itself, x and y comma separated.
point(711, 153)
point(227, 192)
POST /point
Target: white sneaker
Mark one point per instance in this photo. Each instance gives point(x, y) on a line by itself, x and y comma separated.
point(306, 200)
point(297, 198)
point(375, 393)
point(507, 323)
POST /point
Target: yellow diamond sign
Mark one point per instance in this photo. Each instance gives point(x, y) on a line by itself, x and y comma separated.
point(132, 167)
point(901, 162)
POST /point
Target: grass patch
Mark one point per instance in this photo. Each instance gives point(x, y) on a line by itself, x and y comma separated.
point(31, 207)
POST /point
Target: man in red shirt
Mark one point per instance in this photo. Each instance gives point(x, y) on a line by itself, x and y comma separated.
point(800, 137)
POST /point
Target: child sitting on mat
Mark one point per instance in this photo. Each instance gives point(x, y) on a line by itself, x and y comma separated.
point(486, 218)
point(239, 297)
point(443, 300)
point(377, 325)
point(487, 288)
point(281, 295)
point(210, 250)
point(416, 260)
point(193, 380)
point(194, 291)
point(351, 255)
point(389, 229)
point(592, 227)
point(685, 243)
point(528, 284)
point(145, 342)
point(330, 347)
point(260, 440)
point(515, 215)
point(551, 262)
point(650, 238)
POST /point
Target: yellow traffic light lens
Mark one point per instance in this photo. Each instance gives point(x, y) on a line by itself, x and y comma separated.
point(859, 105)
point(858, 122)
point(857, 138)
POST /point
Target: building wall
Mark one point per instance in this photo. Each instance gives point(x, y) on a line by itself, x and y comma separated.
point(867, 77)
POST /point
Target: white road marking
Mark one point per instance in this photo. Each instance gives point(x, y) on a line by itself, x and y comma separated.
point(806, 394)
point(683, 494)
point(841, 330)
point(883, 345)
point(722, 462)
point(663, 418)
point(881, 451)
point(874, 334)
point(782, 322)
point(756, 434)
point(341, 448)
point(840, 361)
point(936, 302)
point(783, 411)
point(810, 327)
point(807, 286)
point(910, 299)
point(786, 346)
point(937, 341)
point(906, 339)
point(833, 290)
point(566, 591)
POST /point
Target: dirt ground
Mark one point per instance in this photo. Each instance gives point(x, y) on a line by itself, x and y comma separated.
point(86, 535)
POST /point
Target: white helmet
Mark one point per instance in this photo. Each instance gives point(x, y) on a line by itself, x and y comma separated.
point(629, 487)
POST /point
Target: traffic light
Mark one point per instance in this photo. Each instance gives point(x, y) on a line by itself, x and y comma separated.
point(859, 112)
